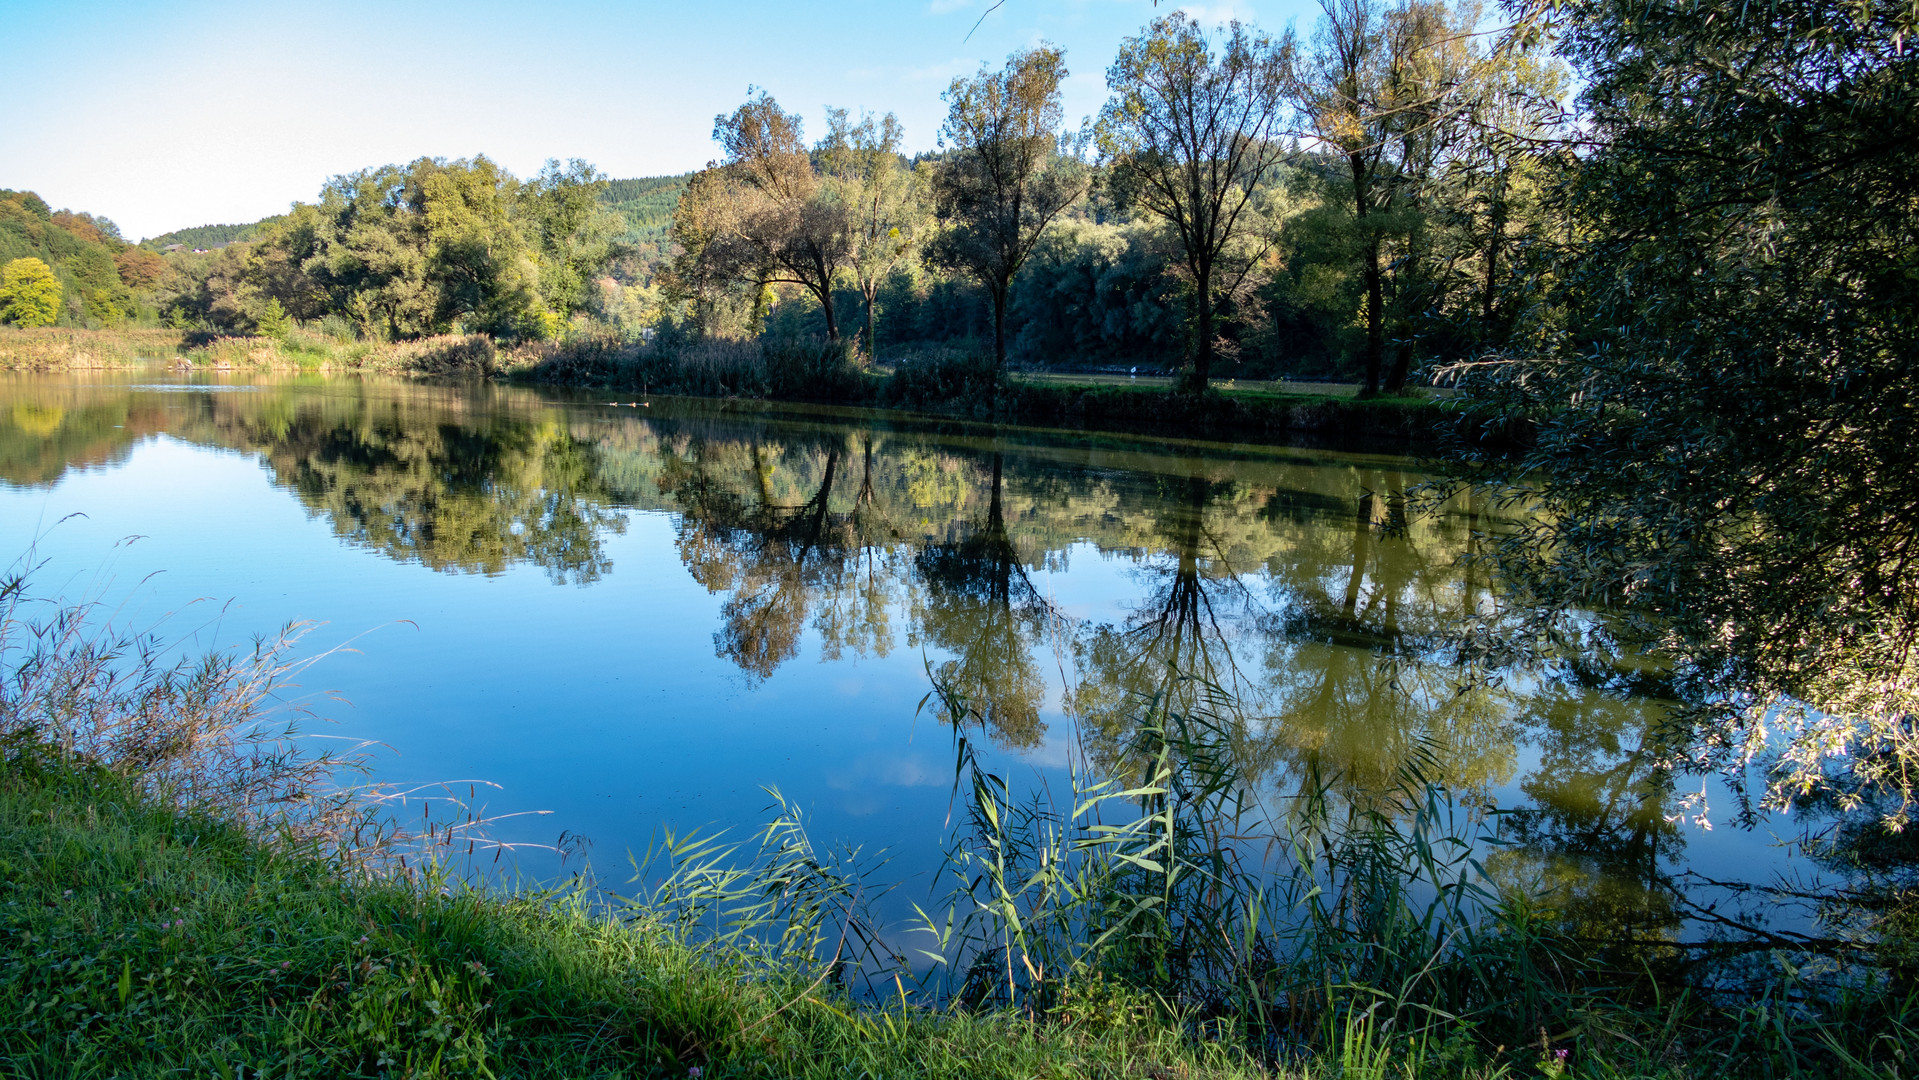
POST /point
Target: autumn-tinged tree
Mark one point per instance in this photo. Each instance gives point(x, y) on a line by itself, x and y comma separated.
point(780, 225)
point(1191, 136)
point(139, 268)
point(1006, 178)
point(30, 293)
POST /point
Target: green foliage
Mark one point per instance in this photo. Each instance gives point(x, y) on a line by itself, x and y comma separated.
point(406, 253)
point(29, 293)
point(209, 237)
point(1007, 176)
point(570, 231)
point(86, 253)
point(1720, 382)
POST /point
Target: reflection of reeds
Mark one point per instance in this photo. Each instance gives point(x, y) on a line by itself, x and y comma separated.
point(1177, 883)
point(1353, 928)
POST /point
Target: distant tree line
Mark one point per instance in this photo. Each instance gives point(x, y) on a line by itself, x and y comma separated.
point(1358, 203)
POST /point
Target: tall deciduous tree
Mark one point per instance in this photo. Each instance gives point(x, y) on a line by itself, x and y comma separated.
point(1375, 88)
point(784, 227)
point(882, 196)
point(1006, 178)
point(1191, 136)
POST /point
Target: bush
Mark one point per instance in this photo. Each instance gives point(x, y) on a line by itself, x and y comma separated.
point(942, 376)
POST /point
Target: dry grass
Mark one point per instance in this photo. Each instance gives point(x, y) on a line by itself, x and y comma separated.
point(48, 349)
point(52, 348)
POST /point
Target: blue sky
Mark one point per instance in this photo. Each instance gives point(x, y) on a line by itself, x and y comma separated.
point(166, 115)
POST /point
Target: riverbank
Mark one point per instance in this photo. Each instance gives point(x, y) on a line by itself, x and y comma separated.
point(950, 384)
point(58, 349)
point(141, 942)
point(966, 386)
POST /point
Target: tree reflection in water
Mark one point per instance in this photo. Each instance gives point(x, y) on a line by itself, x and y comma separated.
point(980, 604)
point(1304, 585)
point(1179, 641)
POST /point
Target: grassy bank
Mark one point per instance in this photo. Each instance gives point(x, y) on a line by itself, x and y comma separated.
point(53, 349)
point(144, 942)
point(961, 384)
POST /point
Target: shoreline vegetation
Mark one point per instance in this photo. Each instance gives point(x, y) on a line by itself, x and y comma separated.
point(949, 382)
point(187, 886)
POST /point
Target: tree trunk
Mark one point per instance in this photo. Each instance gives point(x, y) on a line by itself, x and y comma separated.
point(826, 307)
point(1402, 366)
point(1493, 236)
point(999, 328)
point(1375, 288)
point(1362, 549)
point(1375, 319)
point(872, 342)
point(1203, 355)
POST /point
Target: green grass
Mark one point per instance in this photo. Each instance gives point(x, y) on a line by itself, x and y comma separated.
point(1288, 390)
point(144, 942)
point(141, 940)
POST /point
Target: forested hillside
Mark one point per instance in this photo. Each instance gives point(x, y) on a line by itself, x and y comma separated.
point(646, 204)
point(96, 277)
point(208, 236)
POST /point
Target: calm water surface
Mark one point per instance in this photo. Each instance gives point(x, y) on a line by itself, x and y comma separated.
point(632, 617)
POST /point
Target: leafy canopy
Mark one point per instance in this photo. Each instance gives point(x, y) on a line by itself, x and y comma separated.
point(29, 293)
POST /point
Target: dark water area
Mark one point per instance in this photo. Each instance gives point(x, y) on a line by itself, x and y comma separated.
point(632, 617)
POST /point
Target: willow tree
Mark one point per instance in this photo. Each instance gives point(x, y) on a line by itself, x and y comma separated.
point(1191, 136)
point(1006, 178)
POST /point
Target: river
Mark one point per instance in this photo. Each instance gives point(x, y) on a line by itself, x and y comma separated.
point(637, 615)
